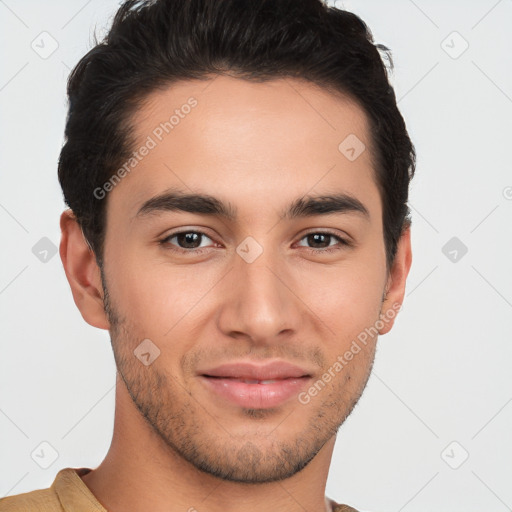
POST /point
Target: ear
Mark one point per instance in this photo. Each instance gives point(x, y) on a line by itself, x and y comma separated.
point(82, 272)
point(395, 286)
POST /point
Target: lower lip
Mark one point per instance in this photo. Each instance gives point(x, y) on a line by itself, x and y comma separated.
point(256, 396)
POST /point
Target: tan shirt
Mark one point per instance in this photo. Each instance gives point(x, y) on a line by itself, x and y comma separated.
point(68, 493)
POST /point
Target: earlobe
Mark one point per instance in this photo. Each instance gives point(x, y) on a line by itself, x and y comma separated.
point(395, 287)
point(82, 272)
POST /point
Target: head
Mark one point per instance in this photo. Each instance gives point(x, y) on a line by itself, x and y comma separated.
point(261, 106)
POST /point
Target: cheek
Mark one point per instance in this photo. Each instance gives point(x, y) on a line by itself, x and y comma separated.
point(155, 296)
point(347, 297)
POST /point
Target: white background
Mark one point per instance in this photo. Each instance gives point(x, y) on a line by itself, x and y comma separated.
point(441, 375)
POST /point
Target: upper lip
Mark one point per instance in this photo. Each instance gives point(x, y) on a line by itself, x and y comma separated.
point(253, 371)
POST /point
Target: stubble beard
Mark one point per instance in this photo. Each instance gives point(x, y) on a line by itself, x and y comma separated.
point(190, 431)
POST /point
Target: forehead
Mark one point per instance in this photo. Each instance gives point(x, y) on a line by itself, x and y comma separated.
point(253, 144)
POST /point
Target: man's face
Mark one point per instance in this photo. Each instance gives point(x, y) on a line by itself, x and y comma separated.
point(255, 287)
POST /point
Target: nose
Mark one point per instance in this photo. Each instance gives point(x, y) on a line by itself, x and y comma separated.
point(259, 301)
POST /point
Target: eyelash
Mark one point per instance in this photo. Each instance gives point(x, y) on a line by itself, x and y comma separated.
point(165, 242)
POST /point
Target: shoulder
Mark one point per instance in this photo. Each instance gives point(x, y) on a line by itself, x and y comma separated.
point(68, 492)
point(41, 500)
point(339, 507)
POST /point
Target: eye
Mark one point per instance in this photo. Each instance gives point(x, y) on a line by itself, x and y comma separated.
point(187, 241)
point(190, 242)
point(323, 239)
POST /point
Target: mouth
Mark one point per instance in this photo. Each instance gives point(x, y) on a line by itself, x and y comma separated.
point(254, 393)
point(252, 381)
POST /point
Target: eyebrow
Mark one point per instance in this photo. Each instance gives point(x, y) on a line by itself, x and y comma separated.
point(205, 204)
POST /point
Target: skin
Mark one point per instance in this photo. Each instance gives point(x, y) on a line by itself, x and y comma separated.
point(259, 147)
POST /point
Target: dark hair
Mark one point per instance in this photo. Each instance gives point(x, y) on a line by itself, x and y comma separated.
point(152, 44)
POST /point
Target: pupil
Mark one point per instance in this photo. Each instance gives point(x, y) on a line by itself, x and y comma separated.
point(187, 239)
point(316, 237)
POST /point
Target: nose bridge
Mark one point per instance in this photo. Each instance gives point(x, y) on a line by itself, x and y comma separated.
point(260, 279)
point(257, 302)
